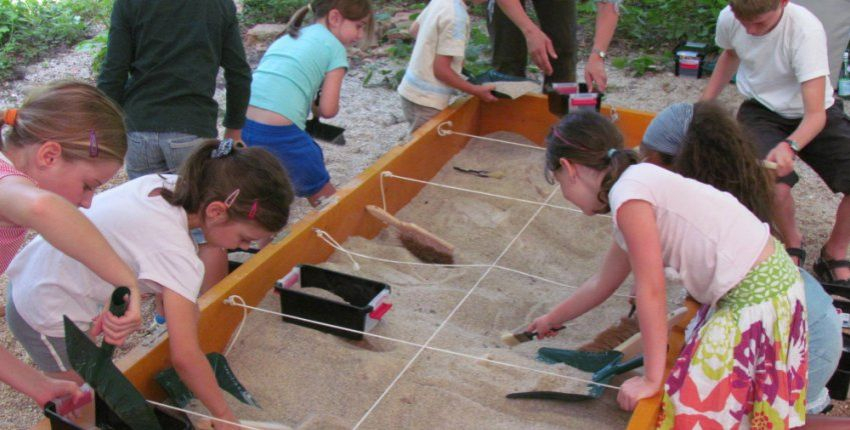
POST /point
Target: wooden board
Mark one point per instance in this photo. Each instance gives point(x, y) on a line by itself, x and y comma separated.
point(420, 158)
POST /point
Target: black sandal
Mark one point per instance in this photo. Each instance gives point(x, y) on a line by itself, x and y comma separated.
point(800, 253)
point(824, 266)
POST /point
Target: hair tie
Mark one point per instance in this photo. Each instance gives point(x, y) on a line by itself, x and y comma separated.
point(10, 116)
point(93, 149)
point(225, 147)
point(612, 152)
point(254, 206)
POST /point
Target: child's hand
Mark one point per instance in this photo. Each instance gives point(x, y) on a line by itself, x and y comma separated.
point(484, 92)
point(48, 389)
point(635, 389)
point(116, 329)
point(543, 326)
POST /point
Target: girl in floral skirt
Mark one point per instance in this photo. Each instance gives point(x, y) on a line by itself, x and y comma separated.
point(746, 362)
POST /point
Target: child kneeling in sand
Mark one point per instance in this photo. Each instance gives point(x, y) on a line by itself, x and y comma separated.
point(233, 195)
point(749, 347)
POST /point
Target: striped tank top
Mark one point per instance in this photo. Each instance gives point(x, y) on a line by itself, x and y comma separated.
point(11, 236)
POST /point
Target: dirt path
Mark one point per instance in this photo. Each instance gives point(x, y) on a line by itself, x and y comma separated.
point(374, 123)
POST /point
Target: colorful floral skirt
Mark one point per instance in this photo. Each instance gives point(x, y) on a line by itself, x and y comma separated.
point(745, 364)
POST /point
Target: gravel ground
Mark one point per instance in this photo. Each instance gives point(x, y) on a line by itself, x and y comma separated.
point(374, 123)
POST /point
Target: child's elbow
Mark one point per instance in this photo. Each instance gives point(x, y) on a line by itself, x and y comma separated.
point(329, 111)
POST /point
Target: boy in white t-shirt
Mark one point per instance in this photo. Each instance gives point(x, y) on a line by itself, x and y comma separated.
point(779, 53)
point(433, 75)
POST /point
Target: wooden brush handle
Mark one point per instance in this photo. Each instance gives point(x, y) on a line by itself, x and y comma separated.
point(389, 219)
point(384, 216)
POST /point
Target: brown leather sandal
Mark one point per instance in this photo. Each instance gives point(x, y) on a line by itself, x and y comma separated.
point(825, 265)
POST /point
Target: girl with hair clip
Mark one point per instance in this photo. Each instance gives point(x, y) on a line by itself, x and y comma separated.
point(746, 361)
point(233, 195)
point(298, 66)
point(66, 140)
point(704, 142)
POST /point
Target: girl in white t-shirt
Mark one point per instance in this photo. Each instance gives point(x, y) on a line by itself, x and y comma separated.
point(747, 358)
point(233, 195)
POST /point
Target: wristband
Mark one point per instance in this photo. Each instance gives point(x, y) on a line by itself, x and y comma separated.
point(793, 144)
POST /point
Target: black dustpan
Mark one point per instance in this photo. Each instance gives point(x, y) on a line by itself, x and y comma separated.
point(94, 364)
point(325, 132)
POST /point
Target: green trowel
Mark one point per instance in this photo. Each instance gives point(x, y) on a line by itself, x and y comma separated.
point(180, 394)
point(94, 364)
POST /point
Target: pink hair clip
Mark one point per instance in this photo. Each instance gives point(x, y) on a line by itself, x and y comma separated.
point(93, 149)
point(231, 198)
point(254, 206)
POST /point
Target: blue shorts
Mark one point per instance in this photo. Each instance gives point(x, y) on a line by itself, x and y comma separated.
point(300, 155)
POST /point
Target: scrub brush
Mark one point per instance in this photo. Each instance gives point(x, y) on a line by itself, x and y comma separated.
point(420, 242)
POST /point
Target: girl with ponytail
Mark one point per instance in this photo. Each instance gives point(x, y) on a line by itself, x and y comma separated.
point(727, 260)
point(65, 141)
point(304, 65)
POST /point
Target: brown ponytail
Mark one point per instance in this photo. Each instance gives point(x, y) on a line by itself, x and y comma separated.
point(353, 10)
point(73, 114)
point(718, 152)
point(255, 172)
point(592, 140)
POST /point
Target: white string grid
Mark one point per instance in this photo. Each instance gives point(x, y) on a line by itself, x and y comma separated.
point(444, 130)
point(451, 314)
point(332, 242)
point(232, 301)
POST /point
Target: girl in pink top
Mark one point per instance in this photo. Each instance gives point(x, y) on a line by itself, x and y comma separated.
point(66, 140)
point(745, 363)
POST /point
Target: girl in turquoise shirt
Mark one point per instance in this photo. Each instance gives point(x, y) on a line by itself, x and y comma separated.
point(286, 82)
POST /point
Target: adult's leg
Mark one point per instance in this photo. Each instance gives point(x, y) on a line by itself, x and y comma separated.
point(558, 21)
point(143, 154)
point(510, 52)
point(176, 147)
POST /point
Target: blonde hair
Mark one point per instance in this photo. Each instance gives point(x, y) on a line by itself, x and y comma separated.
point(74, 114)
point(749, 9)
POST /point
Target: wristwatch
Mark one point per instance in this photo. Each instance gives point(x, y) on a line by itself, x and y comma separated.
point(600, 53)
point(793, 144)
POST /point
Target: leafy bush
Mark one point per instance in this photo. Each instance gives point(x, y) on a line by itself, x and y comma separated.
point(650, 25)
point(279, 11)
point(30, 28)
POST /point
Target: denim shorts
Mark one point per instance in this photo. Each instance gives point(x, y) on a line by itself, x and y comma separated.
point(154, 152)
point(300, 155)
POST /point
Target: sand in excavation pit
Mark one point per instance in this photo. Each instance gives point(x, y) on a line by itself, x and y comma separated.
point(310, 380)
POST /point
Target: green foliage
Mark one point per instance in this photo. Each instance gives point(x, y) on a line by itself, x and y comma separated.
point(478, 51)
point(650, 24)
point(30, 28)
point(279, 11)
point(97, 46)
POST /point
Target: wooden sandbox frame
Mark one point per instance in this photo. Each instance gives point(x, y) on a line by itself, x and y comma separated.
point(421, 158)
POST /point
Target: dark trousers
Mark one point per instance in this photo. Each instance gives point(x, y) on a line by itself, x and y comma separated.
point(557, 19)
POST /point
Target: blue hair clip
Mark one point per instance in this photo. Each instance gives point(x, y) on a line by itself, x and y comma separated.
point(612, 152)
point(225, 147)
